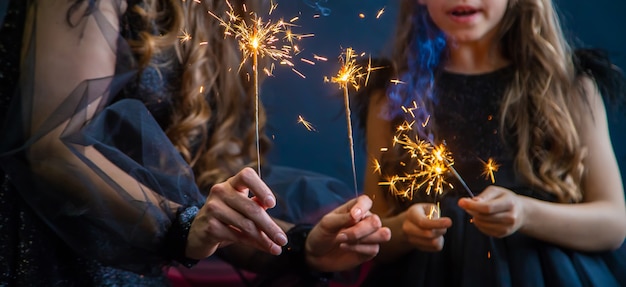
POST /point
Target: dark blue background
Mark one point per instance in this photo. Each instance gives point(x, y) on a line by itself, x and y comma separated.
point(596, 23)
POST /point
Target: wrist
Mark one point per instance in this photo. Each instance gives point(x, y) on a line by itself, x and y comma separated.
point(300, 253)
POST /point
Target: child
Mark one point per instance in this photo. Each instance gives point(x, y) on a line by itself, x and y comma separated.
point(495, 79)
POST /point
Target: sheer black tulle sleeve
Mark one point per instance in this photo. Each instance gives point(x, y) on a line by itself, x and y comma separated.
point(103, 176)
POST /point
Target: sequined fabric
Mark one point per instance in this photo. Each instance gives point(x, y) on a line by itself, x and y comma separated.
point(466, 117)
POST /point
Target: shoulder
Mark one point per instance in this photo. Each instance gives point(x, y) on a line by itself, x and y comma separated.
point(597, 74)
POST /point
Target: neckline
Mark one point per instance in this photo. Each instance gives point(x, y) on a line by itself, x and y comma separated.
point(506, 70)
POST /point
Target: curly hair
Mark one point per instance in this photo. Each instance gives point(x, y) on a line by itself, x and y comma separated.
point(538, 105)
point(211, 122)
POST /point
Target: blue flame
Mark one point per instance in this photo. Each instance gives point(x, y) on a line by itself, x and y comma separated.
point(427, 47)
point(324, 11)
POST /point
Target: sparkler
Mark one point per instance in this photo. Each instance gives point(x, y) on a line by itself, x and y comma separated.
point(258, 38)
point(433, 163)
point(350, 74)
point(489, 168)
point(306, 124)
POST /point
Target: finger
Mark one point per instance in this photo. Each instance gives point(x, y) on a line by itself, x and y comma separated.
point(247, 179)
point(416, 231)
point(365, 251)
point(361, 207)
point(379, 236)
point(501, 218)
point(344, 215)
point(248, 228)
point(491, 192)
point(363, 228)
point(244, 214)
point(496, 205)
point(437, 223)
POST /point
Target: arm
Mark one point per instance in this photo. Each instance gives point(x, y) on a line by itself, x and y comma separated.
point(597, 223)
point(411, 228)
point(105, 177)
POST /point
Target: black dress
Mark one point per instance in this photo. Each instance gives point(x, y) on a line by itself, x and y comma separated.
point(466, 113)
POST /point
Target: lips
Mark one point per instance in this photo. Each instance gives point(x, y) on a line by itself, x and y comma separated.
point(464, 14)
point(463, 11)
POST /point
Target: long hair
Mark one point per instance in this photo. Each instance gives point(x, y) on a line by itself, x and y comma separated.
point(537, 108)
point(212, 122)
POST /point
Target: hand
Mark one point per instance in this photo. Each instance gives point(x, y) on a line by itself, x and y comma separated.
point(346, 237)
point(423, 232)
point(229, 216)
point(497, 211)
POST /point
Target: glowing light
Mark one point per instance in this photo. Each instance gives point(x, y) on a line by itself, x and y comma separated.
point(184, 37)
point(306, 124)
point(258, 38)
point(489, 168)
point(380, 13)
point(431, 164)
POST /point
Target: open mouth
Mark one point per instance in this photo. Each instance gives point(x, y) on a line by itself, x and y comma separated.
point(463, 11)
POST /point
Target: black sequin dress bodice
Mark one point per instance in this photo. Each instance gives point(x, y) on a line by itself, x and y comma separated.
point(466, 119)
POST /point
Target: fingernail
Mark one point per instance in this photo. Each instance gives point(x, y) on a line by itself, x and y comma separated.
point(270, 201)
point(280, 239)
point(275, 249)
point(357, 213)
point(342, 237)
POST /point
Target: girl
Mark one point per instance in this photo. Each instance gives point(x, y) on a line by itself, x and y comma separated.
point(495, 79)
point(118, 132)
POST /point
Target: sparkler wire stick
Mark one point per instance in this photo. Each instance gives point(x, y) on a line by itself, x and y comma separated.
point(258, 39)
point(256, 110)
point(346, 100)
point(349, 74)
point(459, 178)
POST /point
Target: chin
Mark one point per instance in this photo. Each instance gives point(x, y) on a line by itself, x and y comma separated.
point(465, 37)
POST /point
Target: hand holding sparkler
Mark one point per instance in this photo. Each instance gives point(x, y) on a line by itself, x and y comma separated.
point(423, 230)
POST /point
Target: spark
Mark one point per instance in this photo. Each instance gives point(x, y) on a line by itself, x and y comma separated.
point(370, 69)
point(320, 58)
point(306, 124)
point(298, 73)
point(307, 61)
point(397, 82)
point(184, 37)
point(377, 167)
point(431, 164)
point(380, 13)
point(434, 211)
point(489, 168)
point(361, 15)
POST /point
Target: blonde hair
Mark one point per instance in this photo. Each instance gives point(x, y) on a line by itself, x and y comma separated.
point(214, 92)
point(538, 105)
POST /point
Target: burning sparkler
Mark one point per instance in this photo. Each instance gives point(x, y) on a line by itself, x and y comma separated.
point(258, 38)
point(489, 168)
point(350, 74)
point(432, 163)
